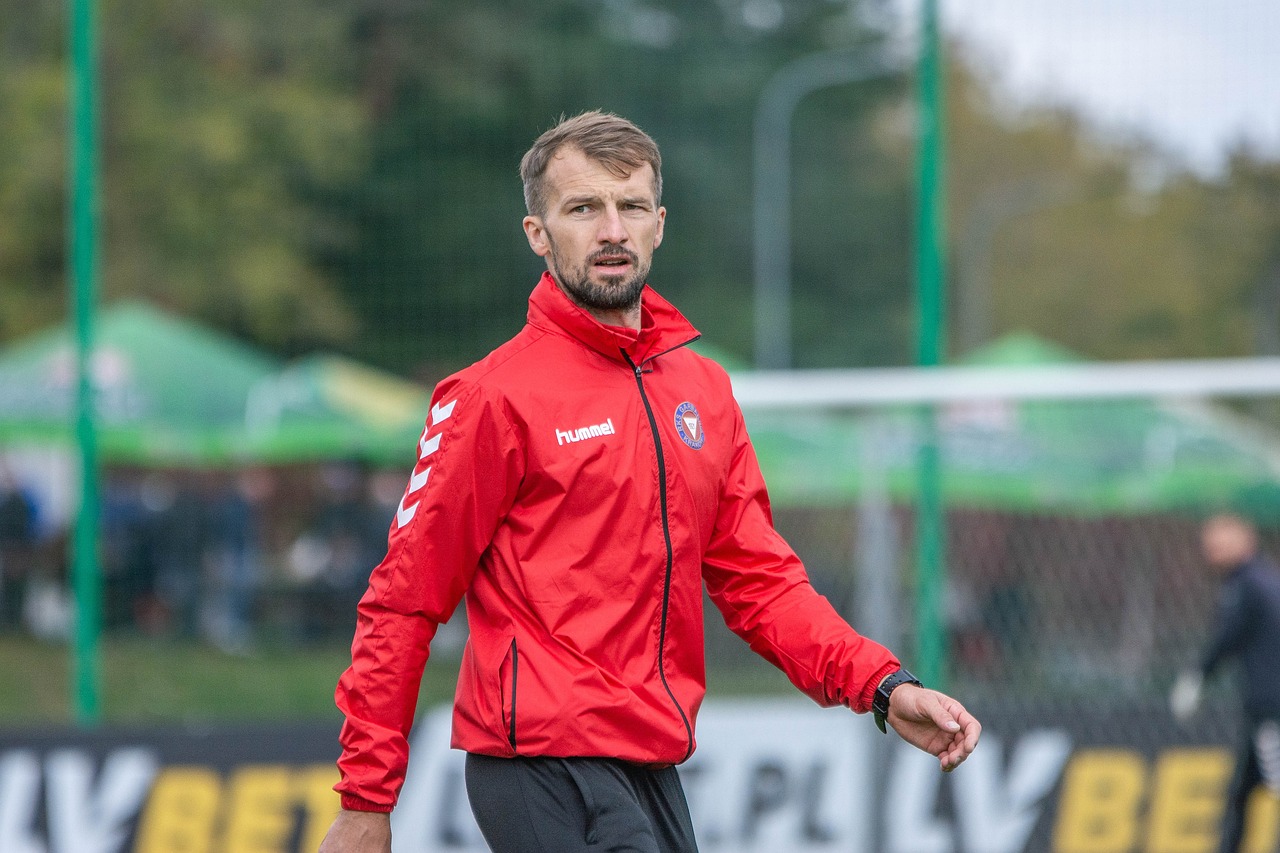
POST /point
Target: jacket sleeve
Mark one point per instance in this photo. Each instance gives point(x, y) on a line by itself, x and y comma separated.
point(761, 588)
point(1232, 624)
point(461, 487)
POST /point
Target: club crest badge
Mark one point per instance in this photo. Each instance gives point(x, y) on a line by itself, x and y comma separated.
point(689, 425)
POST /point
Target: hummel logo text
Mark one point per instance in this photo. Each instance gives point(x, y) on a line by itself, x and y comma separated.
point(582, 433)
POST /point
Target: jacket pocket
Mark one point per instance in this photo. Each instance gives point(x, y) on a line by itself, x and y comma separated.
point(508, 678)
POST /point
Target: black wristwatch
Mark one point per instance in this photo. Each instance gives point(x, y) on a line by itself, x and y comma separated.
point(880, 702)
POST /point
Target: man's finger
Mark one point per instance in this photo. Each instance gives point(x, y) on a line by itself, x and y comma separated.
point(941, 715)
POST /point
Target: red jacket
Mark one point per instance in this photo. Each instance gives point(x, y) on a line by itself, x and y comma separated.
point(579, 486)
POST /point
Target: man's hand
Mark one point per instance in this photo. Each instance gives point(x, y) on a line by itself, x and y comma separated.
point(358, 832)
point(1184, 698)
point(934, 722)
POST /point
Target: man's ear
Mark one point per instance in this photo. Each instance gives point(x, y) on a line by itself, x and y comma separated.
point(662, 219)
point(536, 233)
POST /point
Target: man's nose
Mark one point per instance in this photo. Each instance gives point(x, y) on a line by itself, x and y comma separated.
point(611, 227)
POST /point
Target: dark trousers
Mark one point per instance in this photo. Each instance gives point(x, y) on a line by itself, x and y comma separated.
point(1256, 748)
point(578, 805)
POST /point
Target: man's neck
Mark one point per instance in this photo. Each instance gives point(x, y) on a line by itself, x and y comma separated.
point(627, 318)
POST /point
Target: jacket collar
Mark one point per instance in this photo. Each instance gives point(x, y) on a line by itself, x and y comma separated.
point(662, 326)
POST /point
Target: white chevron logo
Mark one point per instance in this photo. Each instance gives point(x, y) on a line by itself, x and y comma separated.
point(441, 413)
point(426, 447)
point(419, 479)
point(405, 514)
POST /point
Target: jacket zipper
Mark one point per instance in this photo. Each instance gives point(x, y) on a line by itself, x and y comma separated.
point(666, 535)
point(515, 668)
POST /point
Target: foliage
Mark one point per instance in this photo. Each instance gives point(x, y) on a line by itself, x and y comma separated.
point(219, 121)
point(32, 101)
point(440, 207)
point(1107, 245)
point(343, 173)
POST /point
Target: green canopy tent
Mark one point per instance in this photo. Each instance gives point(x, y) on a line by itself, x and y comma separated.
point(172, 392)
point(330, 407)
point(1091, 458)
point(168, 391)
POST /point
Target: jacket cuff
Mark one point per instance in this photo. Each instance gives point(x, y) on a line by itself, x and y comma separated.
point(350, 802)
point(868, 693)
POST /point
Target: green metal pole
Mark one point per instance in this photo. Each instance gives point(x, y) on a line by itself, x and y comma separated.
point(931, 347)
point(83, 223)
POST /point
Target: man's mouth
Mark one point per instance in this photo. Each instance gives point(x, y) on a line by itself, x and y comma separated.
point(613, 263)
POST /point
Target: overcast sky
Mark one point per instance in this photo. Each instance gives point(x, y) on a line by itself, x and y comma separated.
point(1198, 74)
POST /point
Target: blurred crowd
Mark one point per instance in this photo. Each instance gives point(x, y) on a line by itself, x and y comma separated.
point(227, 557)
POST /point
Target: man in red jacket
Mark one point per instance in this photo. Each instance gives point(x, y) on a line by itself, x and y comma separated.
point(578, 487)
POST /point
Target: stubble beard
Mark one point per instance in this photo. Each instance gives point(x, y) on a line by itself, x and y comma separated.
point(617, 294)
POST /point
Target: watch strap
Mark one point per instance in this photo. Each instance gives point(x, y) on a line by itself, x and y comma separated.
point(880, 702)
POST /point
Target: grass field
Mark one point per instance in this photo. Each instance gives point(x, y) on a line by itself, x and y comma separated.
point(145, 680)
point(152, 680)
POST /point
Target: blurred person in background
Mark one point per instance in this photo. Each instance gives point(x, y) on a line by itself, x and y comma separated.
point(128, 570)
point(578, 486)
point(345, 537)
point(178, 527)
point(235, 560)
point(17, 544)
point(1247, 629)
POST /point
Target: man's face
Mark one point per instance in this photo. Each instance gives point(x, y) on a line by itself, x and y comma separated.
point(599, 231)
point(1227, 542)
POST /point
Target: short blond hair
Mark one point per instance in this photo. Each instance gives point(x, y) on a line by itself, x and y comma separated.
point(610, 140)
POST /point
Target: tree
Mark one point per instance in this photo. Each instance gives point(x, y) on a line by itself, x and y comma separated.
point(33, 103)
point(219, 123)
point(458, 94)
point(344, 172)
point(1106, 245)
